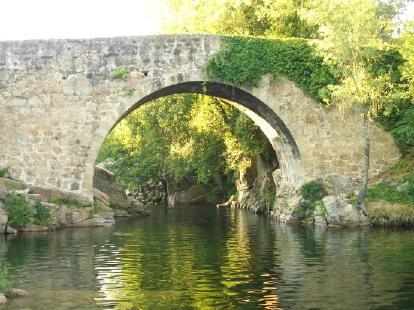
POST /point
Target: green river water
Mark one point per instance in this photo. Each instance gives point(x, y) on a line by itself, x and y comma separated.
point(208, 258)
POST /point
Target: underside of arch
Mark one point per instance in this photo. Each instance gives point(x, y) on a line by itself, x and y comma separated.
point(286, 149)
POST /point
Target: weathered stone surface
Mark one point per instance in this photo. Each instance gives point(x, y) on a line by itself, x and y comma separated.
point(56, 111)
point(337, 184)
point(342, 213)
point(105, 181)
point(110, 193)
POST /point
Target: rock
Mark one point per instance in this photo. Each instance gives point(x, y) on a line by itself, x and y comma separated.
point(105, 182)
point(336, 185)
point(342, 213)
point(195, 194)
point(15, 292)
point(231, 203)
point(11, 231)
point(3, 299)
point(121, 213)
point(32, 227)
point(101, 197)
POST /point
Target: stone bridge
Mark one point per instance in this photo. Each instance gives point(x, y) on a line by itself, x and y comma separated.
point(59, 100)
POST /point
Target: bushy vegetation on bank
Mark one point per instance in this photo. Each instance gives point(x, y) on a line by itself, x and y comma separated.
point(20, 212)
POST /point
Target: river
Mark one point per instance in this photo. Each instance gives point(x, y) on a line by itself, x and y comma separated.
point(208, 258)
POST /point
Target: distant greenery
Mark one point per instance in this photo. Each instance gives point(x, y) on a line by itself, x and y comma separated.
point(184, 139)
point(3, 171)
point(120, 73)
point(243, 60)
point(18, 210)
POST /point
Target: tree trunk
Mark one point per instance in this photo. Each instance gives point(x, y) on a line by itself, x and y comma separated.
point(367, 150)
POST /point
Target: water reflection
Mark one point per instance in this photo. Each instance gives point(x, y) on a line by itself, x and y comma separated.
point(203, 258)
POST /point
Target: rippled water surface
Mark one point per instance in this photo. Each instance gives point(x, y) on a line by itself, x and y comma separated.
point(204, 258)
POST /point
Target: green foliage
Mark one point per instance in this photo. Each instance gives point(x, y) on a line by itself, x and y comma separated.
point(120, 73)
point(3, 171)
point(352, 198)
point(312, 191)
point(406, 47)
point(97, 208)
point(245, 17)
point(41, 214)
point(243, 60)
point(5, 282)
point(18, 210)
point(389, 192)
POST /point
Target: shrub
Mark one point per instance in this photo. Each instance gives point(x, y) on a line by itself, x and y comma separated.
point(312, 191)
point(3, 171)
point(18, 210)
point(41, 214)
point(120, 74)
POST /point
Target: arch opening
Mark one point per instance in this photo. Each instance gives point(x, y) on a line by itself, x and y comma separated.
point(272, 126)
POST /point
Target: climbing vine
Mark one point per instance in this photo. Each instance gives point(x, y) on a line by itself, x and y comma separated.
point(244, 60)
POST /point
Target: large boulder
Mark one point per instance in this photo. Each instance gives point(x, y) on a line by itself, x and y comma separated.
point(105, 181)
point(109, 192)
point(339, 212)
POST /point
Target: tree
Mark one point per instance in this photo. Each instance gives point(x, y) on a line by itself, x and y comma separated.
point(183, 138)
point(352, 32)
point(238, 17)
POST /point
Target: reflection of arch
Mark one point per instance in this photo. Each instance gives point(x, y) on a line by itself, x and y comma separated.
point(271, 124)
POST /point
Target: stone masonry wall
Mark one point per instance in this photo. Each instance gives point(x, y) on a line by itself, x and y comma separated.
point(59, 100)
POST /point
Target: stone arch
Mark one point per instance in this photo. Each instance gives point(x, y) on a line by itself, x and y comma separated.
point(279, 135)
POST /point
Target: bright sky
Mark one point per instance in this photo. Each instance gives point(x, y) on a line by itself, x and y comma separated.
point(46, 19)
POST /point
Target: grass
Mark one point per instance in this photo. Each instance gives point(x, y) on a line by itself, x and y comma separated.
point(390, 214)
point(391, 197)
point(70, 202)
point(400, 172)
